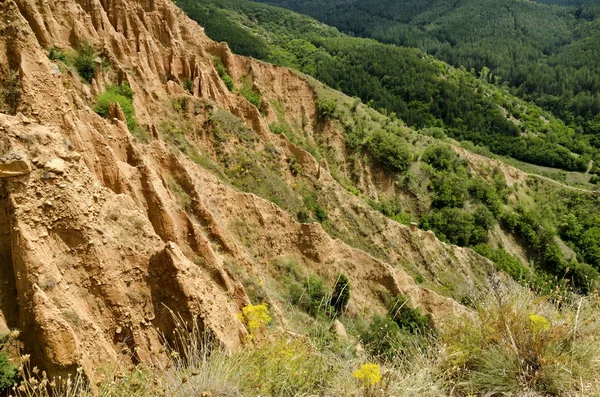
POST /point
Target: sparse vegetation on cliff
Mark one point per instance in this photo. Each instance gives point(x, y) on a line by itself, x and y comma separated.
point(11, 90)
point(121, 94)
point(223, 74)
point(84, 61)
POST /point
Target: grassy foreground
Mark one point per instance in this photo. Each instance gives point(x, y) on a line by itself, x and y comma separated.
point(511, 343)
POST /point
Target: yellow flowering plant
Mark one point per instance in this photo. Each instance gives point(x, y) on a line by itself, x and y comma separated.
point(369, 374)
point(538, 323)
point(256, 318)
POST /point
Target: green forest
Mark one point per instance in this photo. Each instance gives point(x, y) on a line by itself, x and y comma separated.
point(402, 82)
point(545, 54)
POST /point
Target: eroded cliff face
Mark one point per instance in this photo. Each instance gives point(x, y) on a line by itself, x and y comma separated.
point(96, 247)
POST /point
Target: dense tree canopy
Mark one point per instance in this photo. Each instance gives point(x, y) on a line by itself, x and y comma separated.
point(546, 54)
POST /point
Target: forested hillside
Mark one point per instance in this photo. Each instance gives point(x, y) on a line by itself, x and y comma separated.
point(423, 92)
point(433, 186)
point(545, 54)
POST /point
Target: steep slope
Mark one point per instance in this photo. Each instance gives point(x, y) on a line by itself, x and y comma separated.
point(433, 186)
point(103, 234)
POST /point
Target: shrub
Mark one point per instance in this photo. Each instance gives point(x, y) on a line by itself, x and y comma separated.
point(454, 225)
point(392, 208)
point(390, 150)
point(449, 190)
point(180, 104)
point(483, 192)
point(383, 338)
point(11, 91)
point(320, 213)
point(84, 62)
point(56, 54)
point(256, 318)
point(223, 73)
point(408, 318)
point(188, 85)
point(504, 262)
point(368, 375)
point(228, 81)
point(8, 373)
point(311, 204)
point(284, 367)
point(312, 296)
point(584, 277)
point(341, 294)
point(121, 94)
point(303, 216)
point(326, 108)
point(252, 96)
point(441, 157)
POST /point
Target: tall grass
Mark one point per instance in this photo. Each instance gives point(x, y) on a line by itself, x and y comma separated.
point(514, 343)
point(523, 343)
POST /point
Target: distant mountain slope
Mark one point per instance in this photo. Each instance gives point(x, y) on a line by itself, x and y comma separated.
point(547, 54)
point(420, 90)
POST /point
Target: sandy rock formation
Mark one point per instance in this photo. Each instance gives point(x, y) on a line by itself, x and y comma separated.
point(95, 249)
point(13, 164)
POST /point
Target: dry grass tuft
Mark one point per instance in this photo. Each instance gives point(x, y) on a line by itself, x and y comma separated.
point(523, 343)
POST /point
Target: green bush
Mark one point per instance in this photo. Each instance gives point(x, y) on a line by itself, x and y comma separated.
point(584, 277)
point(311, 204)
point(341, 294)
point(84, 62)
point(382, 338)
point(326, 108)
point(252, 96)
point(8, 373)
point(228, 81)
point(320, 213)
point(482, 192)
point(188, 85)
point(312, 296)
point(223, 73)
point(390, 150)
point(449, 190)
point(408, 318)
point(56, 54)
point(121, 94)
point(11, 91)
point(441, 157)
point(457, 226)
point(392, 208)
point(504, 262)
point(435, 132)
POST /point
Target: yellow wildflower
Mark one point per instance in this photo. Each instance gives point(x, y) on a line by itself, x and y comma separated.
point(369, 374)
point(256, 317)
point(538, 323)
point(286, 353)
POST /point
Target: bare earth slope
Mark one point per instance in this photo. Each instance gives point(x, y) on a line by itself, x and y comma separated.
point(96, 248)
